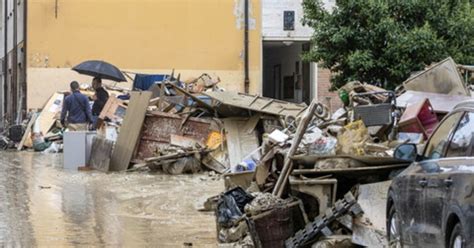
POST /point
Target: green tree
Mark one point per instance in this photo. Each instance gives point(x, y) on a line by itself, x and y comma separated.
point(382, 41)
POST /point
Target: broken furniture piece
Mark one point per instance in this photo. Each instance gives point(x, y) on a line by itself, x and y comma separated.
point(271, 228)
point(114, 109)
point(442, 77)
point(322, 191)
point(441, 103)
point(419, 118)
point(375, 114)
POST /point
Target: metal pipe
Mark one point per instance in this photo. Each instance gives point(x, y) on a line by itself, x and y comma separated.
point(25, 62)
point(246, 47)
point(5, 66)
point(15, 81)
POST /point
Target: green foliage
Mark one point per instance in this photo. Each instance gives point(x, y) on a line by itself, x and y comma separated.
point(382, 41)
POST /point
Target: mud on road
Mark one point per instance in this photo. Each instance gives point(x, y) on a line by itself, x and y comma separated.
point(43, 205)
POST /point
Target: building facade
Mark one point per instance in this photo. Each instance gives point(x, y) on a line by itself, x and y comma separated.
point(140, 36)
point(284, 39)
point(13, 57)
point(192, 37)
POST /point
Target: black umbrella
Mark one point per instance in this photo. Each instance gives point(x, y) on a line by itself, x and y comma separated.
point(102, 69)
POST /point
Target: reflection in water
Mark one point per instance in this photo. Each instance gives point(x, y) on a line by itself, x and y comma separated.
point(42, 205)
point(15, 229)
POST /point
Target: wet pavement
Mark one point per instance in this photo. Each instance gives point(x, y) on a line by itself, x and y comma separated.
point(43, 205)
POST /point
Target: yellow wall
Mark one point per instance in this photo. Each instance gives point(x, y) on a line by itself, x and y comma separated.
point(192, 36)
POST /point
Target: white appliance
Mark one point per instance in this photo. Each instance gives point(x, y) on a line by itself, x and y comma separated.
point(77, 148)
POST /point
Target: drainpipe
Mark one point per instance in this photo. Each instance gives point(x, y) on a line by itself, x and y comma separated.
point(25, 62)
point(5, 66)
point(15, 63)
point(246, 47)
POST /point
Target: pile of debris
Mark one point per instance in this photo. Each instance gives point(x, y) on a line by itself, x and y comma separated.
point(291, 171)
point(42, 130)
point(184, 128)
point(318, 160)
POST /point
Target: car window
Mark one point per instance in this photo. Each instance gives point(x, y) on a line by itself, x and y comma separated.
point(462, 141)
point(439, 139)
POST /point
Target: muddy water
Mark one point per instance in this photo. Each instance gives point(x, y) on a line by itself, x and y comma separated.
point(43, 205)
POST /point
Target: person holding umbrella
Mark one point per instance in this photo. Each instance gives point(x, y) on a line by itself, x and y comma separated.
point(100, 98)
point(76, 110)
point(99, 70)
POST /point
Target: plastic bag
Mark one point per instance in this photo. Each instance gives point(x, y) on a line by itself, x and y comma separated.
point(231, 206)
point(324, 146)
point(352, 139)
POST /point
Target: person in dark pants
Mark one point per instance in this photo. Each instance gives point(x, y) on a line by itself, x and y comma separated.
point(76, 110)
point(100, 98)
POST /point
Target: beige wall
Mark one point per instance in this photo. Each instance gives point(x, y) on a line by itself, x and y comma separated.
point(192, 36)
point(44, 82)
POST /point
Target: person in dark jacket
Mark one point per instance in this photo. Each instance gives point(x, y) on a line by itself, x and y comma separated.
point(76, 110)
point(100, 98)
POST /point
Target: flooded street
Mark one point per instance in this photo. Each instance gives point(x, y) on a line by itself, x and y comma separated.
point(43, 205)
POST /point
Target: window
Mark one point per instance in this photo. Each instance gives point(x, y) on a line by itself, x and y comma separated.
point(439, 139)
point(462, 141)
point(288, 20)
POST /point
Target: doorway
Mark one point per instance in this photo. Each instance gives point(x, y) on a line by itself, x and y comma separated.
point(285, 75)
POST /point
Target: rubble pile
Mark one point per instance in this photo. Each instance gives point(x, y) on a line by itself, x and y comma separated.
point(291, 170)
point(317, 160)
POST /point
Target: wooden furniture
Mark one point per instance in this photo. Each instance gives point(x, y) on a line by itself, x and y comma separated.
point(419, 118)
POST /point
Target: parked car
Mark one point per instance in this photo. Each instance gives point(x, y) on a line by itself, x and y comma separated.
point(431, 203)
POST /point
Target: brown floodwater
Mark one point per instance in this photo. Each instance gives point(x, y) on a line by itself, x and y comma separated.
point(43, 205)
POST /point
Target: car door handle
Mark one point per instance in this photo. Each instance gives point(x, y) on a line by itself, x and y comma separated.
point(423, 182)
point(448, 182)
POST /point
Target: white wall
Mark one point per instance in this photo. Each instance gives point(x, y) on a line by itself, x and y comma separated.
point(10, 23)
point(272, 19)
point(20, 18)
point(2, 30)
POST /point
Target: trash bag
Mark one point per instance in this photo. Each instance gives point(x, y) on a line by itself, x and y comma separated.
point(240, 196)
point(227, 211)
point(231, 206)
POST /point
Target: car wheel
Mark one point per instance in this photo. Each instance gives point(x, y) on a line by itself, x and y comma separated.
point(393, 228)
point(456, 240)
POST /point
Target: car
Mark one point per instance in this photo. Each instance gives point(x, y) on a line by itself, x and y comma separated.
point(431, 202)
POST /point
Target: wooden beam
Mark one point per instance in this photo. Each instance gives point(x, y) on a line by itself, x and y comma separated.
point(27, 131)
point(130, 130)
point(288, 165)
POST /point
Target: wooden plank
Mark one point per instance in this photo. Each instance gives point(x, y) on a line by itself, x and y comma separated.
point(101, 152)
point(173, 156)
point(217, 161)
point(239, 142)
point(130, 130)
point(162, 94)
point(48, 116)
point(27, 131)
point(288, 164)
point(252, 123)
point(297, 172)
point(256, 103)
point(184, 142)
point(51, 110)
point(196, 99)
